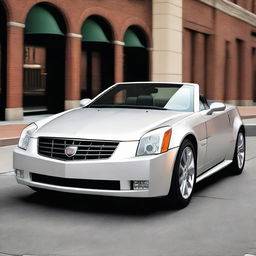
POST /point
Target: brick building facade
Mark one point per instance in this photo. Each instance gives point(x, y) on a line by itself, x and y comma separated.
point(219, 48)
point(54, 53)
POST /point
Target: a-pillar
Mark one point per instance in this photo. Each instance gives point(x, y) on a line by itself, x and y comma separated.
point(14, 92)
point(73, 69)
point(119, 61)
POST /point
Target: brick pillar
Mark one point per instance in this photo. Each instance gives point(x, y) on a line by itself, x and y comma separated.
point(119, 61)
point(73, 69)
point(219, 66)
point(199, 61)
point(210, 74)
point(246, 90)
point(254, 73)
point(96, 73)
point(187, 58)
point(14, 92)
point(228, 72)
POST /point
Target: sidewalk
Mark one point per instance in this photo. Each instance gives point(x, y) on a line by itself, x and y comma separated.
point(11, 130)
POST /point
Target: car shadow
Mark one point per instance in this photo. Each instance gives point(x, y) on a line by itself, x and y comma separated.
point(112, 205)
point(212, 180)
point(94, 204)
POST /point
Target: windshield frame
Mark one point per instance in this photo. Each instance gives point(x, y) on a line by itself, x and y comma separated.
point(195, 94)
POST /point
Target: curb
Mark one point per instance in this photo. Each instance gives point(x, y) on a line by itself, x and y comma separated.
point(248, 117)
point(9, 141)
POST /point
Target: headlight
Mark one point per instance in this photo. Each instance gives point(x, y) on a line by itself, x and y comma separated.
point(154, 142)
point(26, 135)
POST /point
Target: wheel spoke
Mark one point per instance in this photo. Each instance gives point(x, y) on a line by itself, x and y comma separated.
point(240, 157)
point(181, 178)
point(191, 168)
point(189, 158)
point(183, 188)
point(184, 157)
point(241, 147)
point(190, 182)
point(186, 189)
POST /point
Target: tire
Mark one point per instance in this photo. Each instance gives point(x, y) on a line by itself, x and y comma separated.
point(183, 177)
point(238, 162)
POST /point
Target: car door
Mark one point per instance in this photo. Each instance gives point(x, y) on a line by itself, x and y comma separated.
point(219, 136)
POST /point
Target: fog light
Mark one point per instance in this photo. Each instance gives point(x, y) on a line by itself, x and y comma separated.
point(140, 184)
point(19, 173)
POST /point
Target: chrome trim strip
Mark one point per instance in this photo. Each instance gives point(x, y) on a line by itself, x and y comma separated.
point(213, 170)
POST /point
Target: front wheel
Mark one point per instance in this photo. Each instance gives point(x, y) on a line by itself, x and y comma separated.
point(238, 162)
point(184, 176)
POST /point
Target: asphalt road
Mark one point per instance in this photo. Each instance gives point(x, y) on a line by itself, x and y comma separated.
point(220, 221)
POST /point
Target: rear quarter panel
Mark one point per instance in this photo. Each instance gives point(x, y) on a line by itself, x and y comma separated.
point(236, 123)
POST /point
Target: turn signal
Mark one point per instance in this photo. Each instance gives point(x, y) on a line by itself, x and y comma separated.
point(166, 141)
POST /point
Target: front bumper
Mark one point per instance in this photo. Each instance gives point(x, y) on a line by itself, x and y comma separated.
point(122, 166)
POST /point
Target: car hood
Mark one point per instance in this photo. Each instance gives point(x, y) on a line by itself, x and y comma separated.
point(108, 123)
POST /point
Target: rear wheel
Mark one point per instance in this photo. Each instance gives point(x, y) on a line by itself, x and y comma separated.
point(238, 162)
point(184, 175)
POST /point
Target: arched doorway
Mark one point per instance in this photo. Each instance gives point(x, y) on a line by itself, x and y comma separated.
point(97, 63)
point(44, 60)
point(136, 57)
point(3, 36)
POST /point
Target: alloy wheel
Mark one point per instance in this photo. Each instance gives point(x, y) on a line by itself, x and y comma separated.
point(240, 150)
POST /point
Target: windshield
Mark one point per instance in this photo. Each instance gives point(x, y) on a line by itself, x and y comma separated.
point(175, 97)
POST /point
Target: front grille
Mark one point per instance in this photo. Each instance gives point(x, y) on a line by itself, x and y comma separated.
point(87, 149)
point(76, 183)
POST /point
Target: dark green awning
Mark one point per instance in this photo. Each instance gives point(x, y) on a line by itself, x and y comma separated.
point(92, 32)
point(41, 21)
point(132, 40)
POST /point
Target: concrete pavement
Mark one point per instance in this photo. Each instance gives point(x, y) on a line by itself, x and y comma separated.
point(220, 221)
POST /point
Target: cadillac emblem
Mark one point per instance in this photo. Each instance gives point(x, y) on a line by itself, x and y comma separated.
point(70, 151)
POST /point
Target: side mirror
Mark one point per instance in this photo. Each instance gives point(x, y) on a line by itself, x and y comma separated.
point(85, 102)
point(215, 107)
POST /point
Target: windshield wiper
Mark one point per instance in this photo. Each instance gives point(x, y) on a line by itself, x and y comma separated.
point(126, 106)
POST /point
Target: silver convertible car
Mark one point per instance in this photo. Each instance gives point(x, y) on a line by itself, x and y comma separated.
point(139, 139)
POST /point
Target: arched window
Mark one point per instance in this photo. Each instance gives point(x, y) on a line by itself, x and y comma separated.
point(44, 60)
point(97, 63)
point(136, 57)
